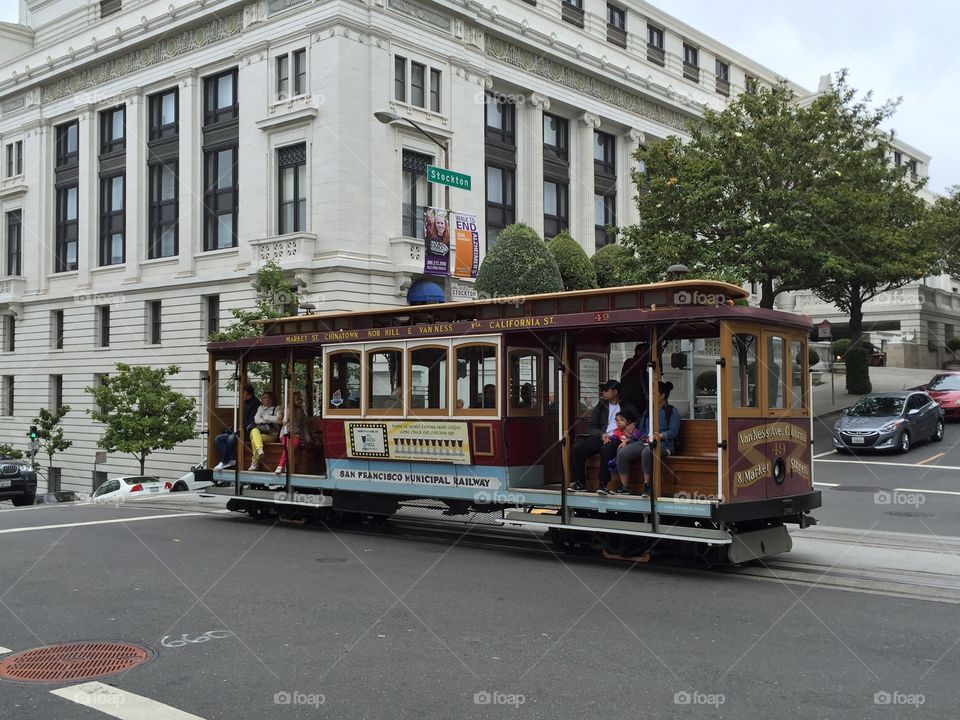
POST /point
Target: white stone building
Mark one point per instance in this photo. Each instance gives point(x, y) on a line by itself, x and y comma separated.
point(155, 153)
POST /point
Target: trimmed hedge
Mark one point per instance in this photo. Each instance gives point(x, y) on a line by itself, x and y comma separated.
point(615, 265)
point(519, 263)
point(576, 269)
point(813, 357)
point(953, 344)
point(707, 382)
point(840, 347)
point(858, 372)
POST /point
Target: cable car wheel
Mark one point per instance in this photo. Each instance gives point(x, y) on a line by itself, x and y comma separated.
point(572, 542)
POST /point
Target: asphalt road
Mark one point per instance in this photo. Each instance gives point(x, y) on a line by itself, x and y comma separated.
point(305, 622)
point(918, 492)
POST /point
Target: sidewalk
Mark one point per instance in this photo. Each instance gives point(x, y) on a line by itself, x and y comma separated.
point(883, 379)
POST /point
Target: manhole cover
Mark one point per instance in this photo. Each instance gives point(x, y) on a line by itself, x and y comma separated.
point(73, 661)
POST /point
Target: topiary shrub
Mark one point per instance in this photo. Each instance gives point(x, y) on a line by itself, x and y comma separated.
point(576, 269)
point(518, 264)
point(858, 372)
point(813, 357)
point(615, 265)
point(953, 345)
point(840, 347)
point(707, 382)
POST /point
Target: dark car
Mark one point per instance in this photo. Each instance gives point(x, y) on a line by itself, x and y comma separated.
point(945, 389)
point(18, 481)
point(889, 421)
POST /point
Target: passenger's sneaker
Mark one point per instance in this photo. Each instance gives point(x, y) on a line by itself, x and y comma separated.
point(232, 463)
point(646, 491)
point(254, 465)
point(576, 487)
point(622, 491)
point(219, 466)
point(602, 490)
point(279, 470)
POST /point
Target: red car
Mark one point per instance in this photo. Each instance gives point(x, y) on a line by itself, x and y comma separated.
point(945, 389)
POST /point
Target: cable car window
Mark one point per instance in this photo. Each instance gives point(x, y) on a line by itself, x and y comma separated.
point(744, 370)
point(384, 380)
point(343, 390)
point(799, 356)
point(776, 373)
point(525, 390)
point(428, 380)
point(225, 383)
point(476, 378)
point(260, 375)
point(590, 370)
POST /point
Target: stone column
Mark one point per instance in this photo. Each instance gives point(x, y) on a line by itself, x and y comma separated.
point(190, 181)
point(136, 192)
point(39, 208)
point(88, 195)
point(529, 190)
point(581, 183)
point(627, 213)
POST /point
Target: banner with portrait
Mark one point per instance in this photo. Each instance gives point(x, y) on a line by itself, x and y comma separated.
point(467, 244)
point(436, 241)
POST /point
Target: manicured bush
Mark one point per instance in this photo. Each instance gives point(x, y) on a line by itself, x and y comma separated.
point(813, 357)
point(953, 344)
point(519, 263)
point(707, 382)
point(858, 372)
point(576, 269)
point(615, 265)
point(840, 347)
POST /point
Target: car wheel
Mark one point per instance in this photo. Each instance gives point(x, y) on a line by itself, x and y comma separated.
point(938, 433)
point(904, 445)
point(180, 487)
point(25, 500)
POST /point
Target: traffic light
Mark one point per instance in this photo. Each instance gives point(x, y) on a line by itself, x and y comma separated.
point(33, 432)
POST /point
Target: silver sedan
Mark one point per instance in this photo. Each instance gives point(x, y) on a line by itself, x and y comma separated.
point(889, 421)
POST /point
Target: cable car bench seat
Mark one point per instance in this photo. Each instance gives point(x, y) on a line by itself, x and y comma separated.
point(691, 473)
point(308, 460)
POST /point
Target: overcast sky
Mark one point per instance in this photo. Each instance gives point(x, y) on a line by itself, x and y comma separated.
point(897, 49)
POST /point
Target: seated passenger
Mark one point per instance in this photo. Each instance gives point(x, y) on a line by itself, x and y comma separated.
point(267, 426)
point(602, 422)
point(488, 399)
point(226, 441)
point(526, 396)
point(669, 423)
point(296, 427)
point(627, 433)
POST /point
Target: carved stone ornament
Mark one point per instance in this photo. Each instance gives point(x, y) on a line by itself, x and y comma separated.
point(421, 13)
point(155, 54)
point(567, 76)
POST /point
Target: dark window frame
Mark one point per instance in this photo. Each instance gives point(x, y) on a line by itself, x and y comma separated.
point(113, 221)
point(59, 326)
point(67, 231)
point(213, 113)
point(211, 309)
point(607, 164)
point(162, 213)
point(414, 165)
point(103, 326)
point(506, 135)
point(560, 150)
point(57, 382)
point(219, 201)
point(155, 322)
point(14, 231)
point(422, 88)
point(399, 78)
point(158, 129)
point(108, 142)
point(286, 159)
point(14, 158)
point(299, 67)
point(499, 215)
point(609, 218)
point(616, 17)
point(65, 156)
point(110, 7)
point(553, 225)
point(10, 333)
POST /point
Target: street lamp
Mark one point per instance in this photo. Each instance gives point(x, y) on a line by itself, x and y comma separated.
point(387, 117)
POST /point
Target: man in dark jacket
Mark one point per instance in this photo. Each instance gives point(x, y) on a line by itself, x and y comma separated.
point(602, 423)
point(226, 441)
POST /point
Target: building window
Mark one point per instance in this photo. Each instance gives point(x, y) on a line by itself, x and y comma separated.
point(572, 12)
point(912, 169)
point(417, 193)
point(56, 392)
point(154, 321)
point(616, 25)
point(655, 52)
point(8, 395)
point(555, 214)
point(723, 78)
point(751, 85)
point(415, 83)
point(68, 142)
point(500, 117)
point(113, 130)
point(501, 201)
point(163, 114)
point(220, 199)
point(103, 325)
point(300, 72)
point(109, 7)
point(164, 208)
point(56, 329)
point(211, 305)
point(66, 250)
point(292, 197)
point(15, 158)
point(604, 153)
point(605, 215)
point(298, 59)
point(691, 62)
point(9, 333)
point(112, 220)
point(555, 136)
point(897, 158)
point(98, 380)
point(14, 242)
point(220, 102)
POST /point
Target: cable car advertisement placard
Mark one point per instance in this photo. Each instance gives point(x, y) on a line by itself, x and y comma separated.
point(413, 440)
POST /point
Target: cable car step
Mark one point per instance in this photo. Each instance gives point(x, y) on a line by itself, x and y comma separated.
point(517, 518)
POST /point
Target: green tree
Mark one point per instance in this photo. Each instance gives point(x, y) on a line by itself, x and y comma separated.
point(141, 412)
point(943, 228)
point(576, 270)
point(8, 451)
point(858, 371)
point(276, 297)
point(519, 263)
point(615, 265)
point(50, 434)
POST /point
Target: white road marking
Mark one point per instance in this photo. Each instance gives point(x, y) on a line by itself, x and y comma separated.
point(828, 452)
point(930, 492)
point(894, 464)
point(820, 484)
point(120, 703)
point(99, 522)
point(4, 651)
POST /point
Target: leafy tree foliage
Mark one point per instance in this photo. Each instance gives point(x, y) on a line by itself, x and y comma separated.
point(943, 228)
point(953, 345)
point(615, 265)
point(576, 270)
point(50, 433)
point(858, 371)
point(8, 451)
point(519, 263)
point(276, 297)
point(141, 412)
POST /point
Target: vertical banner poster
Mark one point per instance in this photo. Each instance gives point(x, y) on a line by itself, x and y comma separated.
point(436, 241)
point(467, 238)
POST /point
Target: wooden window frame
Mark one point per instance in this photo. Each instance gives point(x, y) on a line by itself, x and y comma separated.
point(366, 381)
point(604, 374)
point(495, 343)
point(537, 409)
point(328, 409)
point(763, 361)
point(408, 393)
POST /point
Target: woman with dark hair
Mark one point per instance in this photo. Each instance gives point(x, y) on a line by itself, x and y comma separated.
point(226, 441)
point(667, 436)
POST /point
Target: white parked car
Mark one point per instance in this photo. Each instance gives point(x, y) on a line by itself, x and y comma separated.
point(189, 483)
point(130, 487)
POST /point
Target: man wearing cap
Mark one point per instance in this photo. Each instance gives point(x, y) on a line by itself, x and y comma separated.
point(602, 423)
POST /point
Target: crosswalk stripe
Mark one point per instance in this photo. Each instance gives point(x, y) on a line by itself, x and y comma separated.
point(120, 703)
